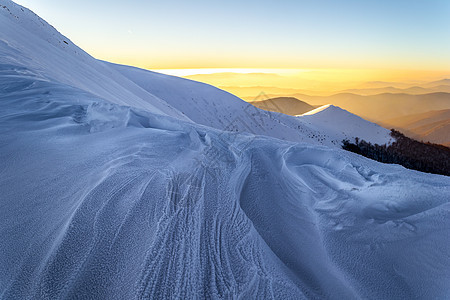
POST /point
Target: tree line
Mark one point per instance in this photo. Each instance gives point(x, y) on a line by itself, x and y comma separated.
point(412, 154)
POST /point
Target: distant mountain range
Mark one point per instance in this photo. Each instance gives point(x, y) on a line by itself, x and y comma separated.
point(421, 111)
point(403, 85)
point(415, 90)
point(432, 126)
point(381, 107)
point(251, 93)
point(445, 81)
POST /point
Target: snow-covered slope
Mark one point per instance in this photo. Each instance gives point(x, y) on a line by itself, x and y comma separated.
point(107, 201)
point(339, 124)
point(48, 55)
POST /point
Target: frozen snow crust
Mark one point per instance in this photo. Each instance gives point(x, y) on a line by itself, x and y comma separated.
point(105, 199)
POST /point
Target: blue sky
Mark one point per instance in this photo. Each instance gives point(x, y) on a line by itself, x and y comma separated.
point(257, 34)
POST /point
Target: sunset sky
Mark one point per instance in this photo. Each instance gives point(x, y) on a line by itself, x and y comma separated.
point(383, 34)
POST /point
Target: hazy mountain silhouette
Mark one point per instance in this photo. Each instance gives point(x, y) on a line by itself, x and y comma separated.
point(310, 88)
point(415, 90)
point(286, 105)
point(432, 126)
point(250, 93)
point(445, 81)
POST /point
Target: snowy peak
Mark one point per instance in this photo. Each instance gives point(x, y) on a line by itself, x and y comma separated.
point(341, 124)
point(328, 108)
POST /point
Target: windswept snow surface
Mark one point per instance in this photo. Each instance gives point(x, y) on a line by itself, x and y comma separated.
point(106, 201)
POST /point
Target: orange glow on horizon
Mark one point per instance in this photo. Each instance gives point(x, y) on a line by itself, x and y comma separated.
point(324, 79)
point(248, 83)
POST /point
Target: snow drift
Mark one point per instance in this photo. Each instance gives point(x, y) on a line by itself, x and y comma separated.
point(122, 190)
